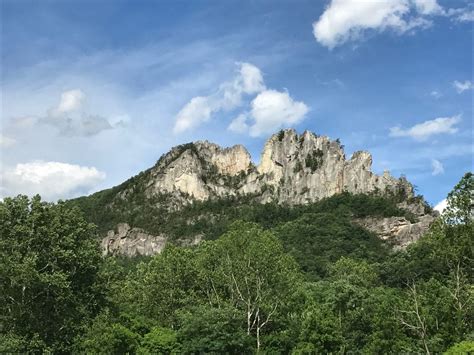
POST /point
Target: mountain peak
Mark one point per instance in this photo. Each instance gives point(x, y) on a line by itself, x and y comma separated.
point(294, 169)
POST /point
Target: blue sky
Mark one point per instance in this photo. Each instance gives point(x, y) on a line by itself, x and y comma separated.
point(93, 90)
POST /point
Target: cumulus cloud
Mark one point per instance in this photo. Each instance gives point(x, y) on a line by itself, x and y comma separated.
point(347, 20)
point(6, 142)
point(70, 101)
point(69, 118)
point(239, 124)
point(423, 131)
point(270, 110)
point(437, 167)
point(428, 7)
point(462, 86)
point(195, 112)
point(461, 14)
point(52, 180)
point(249, 80)
point(441, 206)
point(466, 16)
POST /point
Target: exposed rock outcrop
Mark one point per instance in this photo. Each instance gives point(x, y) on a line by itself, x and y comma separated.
point(294, 169)
point(306, 168)
point(129, 241)
point(199, 170)
point(398, 231)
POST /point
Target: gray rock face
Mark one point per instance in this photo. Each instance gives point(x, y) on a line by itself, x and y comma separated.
point(199, 170)
point(307, 168)
point(398, 231)
point(129, 241)
point(294, 169)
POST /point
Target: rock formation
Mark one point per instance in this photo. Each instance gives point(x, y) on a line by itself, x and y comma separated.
point(131, 242)
point(294, 169)
point(399, 231)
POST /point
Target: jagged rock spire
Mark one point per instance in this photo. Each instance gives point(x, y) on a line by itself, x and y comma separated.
point(293, 169)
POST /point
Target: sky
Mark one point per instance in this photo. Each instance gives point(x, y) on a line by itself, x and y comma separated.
point(94, 92)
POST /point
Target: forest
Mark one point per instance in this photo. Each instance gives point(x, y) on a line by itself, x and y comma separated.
point(267, 279)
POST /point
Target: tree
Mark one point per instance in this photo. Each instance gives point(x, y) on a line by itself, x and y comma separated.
point(49, 261)
point(460, 208)
point(105, 336)
point(205, 329)
point(161, 287)
point(464, 347)
point(159, 341)
point(252, 273)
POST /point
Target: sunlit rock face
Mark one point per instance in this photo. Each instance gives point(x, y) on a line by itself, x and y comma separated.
point(306, 168)
point(399, 231)
point(293, 169)
point(200, 170)
point(125, 240)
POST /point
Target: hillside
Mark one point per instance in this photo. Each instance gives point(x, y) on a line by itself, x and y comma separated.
point(195, 190)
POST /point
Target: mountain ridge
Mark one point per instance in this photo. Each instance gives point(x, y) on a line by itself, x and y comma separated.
point(293, 170)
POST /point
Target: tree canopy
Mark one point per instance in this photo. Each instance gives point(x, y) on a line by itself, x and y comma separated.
point(268, 279)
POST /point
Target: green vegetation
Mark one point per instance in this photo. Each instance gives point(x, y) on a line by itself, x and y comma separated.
point(298, 167)
point(49, 275)
point(269, 279)
point(281, 135)
point(314, 160)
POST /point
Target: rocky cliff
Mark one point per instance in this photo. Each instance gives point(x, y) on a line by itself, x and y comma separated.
point(294, 169)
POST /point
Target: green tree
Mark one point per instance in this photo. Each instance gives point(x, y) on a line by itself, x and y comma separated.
point(460, 208)
point(161, 287)
point(253, 274)
point(210, 330)
point(49, 261)
point(160, 341)
point(105, 336)
point(464, 347)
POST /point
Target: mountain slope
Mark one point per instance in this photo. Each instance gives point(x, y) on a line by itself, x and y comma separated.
point(190, 180)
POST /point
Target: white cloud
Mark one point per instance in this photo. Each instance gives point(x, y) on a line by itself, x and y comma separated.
point(52, 180)
point(467, 16)
point(461, 14)
point(195, 112)
point(272, 110)
point(345, 20)
point(239, 124)
point(436, 94)
point(428, 7)
point(437, 167)
point(249, 80)
point(252, 79)
point(462, 86)
point(441, 206)
point(70, 121)
point(423, 131)
point(68, 117)
point(6, 142)
point(70, 101)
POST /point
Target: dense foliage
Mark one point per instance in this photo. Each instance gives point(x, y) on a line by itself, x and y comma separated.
point(270, 279)
point(49, 266)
